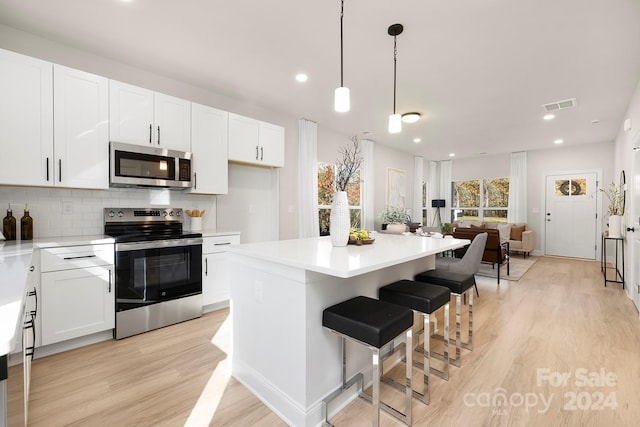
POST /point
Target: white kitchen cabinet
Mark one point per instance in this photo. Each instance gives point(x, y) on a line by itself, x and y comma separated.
point(26, 119)
point(81, 131)
point(215, 269)
point(77, 292)
point(141, 116)
point(254, 142)
point(209, 163)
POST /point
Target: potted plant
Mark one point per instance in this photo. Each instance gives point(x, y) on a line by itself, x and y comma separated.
point(615, 210)
point(346, 168)
point(394, 218)
point(445, 228)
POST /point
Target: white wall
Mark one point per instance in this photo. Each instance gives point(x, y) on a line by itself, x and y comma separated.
point(384, 158)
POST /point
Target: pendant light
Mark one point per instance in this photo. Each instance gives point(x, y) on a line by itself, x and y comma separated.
point(395, 120)
point(341, 101)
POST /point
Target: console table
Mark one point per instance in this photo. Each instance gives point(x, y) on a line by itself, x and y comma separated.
point(619, 274)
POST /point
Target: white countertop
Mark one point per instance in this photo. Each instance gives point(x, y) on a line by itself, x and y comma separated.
point(317, 254)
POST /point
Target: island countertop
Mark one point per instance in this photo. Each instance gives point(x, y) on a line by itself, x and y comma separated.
point(317, 254)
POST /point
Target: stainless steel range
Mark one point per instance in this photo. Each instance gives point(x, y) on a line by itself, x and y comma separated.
point(158, 278)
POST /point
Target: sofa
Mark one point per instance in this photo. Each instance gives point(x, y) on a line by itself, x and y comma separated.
point(520, 239)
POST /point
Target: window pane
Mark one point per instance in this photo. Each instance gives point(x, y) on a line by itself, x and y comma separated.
point(323, 217)
point(466, 215)
point(496, 193)
point(466, 194)
point(353, 190)
point(495, 215)
point(325, 184)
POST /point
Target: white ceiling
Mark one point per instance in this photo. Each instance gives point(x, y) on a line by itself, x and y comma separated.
point(478, 71)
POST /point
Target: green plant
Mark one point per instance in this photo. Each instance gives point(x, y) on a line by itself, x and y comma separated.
point(394, 215)
point(348, 165)
point(445, 227)
point(616, 199)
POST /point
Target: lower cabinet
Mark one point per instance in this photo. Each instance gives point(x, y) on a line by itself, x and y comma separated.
point(215, 271)
point(78, 293)
point(76, 303)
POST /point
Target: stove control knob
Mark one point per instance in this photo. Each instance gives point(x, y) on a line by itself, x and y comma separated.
point(179, 213)
point(170, 213)
point(120, 214)
point(164, 213)
point(111, 214)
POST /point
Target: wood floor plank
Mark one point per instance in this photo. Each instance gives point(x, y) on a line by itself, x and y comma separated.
point(558, 319)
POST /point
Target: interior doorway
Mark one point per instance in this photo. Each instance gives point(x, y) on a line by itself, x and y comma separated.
point(571, 215)
point(633, 219)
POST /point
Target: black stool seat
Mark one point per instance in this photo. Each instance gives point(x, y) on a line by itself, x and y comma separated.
point(422, 297)
point(368, 320)
point(458, 283)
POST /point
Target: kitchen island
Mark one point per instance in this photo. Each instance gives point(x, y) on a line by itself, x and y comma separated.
point(279, 350)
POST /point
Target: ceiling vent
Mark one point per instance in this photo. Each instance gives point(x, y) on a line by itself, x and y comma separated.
point(560, 105)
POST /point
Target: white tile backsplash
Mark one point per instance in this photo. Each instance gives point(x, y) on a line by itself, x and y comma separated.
point(66, 212)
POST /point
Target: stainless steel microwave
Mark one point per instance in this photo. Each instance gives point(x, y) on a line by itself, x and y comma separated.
point(139, 166)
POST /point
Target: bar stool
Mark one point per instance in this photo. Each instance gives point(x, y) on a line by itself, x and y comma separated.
point(372, 323)
point(425, 299)
point(458, 283)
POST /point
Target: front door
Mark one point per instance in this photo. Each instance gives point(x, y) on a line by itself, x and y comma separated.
point(570, 215)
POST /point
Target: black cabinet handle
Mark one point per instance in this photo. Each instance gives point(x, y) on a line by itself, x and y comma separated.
point(59, 170)
point(158, 135)
point(150, 130)
point(79, 257)
point(47, 169)
point(109, 281)
point(195, 180)
point(632, 229)
point(261, 153)
point(256, 152)
point(206, 266)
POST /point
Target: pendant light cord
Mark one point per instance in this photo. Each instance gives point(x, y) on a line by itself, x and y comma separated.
point(341, 46)
point(395, 60)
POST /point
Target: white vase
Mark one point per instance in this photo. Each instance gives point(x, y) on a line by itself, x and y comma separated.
point(340, 220)
point(396, 228)
point(615, 226)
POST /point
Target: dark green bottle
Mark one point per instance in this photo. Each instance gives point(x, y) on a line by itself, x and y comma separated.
point(9, 226)
point(26, 226)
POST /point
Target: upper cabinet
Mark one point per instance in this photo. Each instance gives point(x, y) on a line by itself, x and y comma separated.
point(143, 117)
point(39, 97)
point(209, 147)
point(26, 119)
point(254, 142)
point(81, 131)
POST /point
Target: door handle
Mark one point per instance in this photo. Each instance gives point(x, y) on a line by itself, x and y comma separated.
point(632, 229)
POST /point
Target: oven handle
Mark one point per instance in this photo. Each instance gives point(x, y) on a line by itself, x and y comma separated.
point(158, 244)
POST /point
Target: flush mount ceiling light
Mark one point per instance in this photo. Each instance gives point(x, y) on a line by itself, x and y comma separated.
point(549, 116)
point(411, 117)
point(395, 121)
point(301, 77)
point(342, 102)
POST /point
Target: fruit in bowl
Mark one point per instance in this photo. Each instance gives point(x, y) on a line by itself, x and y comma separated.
point(359, 237)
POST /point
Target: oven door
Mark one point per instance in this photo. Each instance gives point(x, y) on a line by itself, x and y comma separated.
point(155, 271)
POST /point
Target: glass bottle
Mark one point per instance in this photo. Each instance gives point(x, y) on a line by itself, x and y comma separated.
point(9, 225)
point(26, 225)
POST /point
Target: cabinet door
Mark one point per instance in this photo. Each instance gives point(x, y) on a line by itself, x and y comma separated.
point(215, 268)
point(244, 139)
point(172, 127)
point(209, 148)
point(76, 303)
point(130, 113)
point(81, 134)
point(271, 144)
point(26, 119)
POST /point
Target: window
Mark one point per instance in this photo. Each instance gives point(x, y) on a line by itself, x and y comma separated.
point(425, 207)
point(326, 178)
point(484, 200)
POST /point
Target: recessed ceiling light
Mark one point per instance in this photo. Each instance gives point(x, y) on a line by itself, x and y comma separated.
point(595, 121)
point(366, 132)
point(558, 141)
point(549, 116)
point(416, 140)
point(483, 153)
point(452, 154)
point(411, 117)
point(301, 77)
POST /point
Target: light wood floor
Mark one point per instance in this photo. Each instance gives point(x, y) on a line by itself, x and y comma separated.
point(558, 319)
